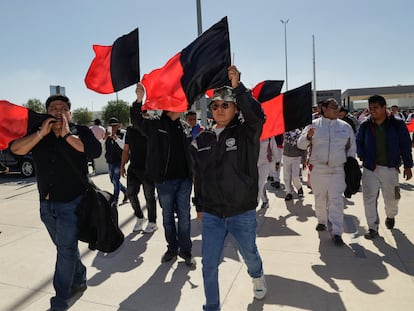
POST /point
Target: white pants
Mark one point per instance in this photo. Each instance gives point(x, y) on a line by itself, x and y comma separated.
point(291, 173)
point(386, 179)
point(264, 170)
point(276, 164)
point(328, 185)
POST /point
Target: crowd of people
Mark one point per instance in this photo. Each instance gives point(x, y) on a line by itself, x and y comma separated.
point(173, 157)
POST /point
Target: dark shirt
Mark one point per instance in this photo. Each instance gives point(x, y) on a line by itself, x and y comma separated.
point(55, 176)
point(137, 148)
point(177, 165)
point(113, 153)
point(381, 143)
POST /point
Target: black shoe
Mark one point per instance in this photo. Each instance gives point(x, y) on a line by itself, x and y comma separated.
point(275, 184)
point(270, 178)
point(337, 240)
point(288, 197)
point(125, 200)
point(300, 193)
point(371, 234)
point(78, 289)
point(189, 259)
point(265, 204)
point(390, 222)
point(320, 227)
point(168, 256)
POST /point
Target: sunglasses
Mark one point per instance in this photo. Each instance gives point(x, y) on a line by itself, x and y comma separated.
point(216, 106)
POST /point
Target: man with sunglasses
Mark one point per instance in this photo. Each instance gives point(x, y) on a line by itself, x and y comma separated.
point(330, 141)
point(224, 161)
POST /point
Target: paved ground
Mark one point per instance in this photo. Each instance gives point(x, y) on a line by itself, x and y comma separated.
point(304, 270)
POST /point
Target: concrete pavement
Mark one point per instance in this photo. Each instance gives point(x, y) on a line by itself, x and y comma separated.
point(304, 270)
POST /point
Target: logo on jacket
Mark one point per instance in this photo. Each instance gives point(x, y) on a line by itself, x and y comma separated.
point(231, 144)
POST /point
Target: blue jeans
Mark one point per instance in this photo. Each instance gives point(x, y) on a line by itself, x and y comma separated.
point(174, 197)
point(214, 232)
point(62, 224)
point(115, 176)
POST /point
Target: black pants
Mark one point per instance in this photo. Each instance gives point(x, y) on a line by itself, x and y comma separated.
point(136, 178)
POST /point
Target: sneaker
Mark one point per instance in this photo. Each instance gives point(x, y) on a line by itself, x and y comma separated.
point(189, 259)
point(300, 193)
point(138, 226)
point(371, 234)
point(151, 227)
point(320, 227)
point(390, 222)
point(265, 204)
point(337, 239)
point(259, 287)
point(275, 184)
point(288, 197)
point(125, 200)
point(169, 255)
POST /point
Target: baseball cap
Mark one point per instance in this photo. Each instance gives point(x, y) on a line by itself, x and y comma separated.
point(224, 93)
point(113, 121)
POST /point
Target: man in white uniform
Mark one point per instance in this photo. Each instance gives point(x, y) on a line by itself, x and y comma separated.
point(331, 141)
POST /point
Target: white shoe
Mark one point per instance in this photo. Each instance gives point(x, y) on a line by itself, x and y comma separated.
point(138, 226)
point(259, 287)
point(151, 227)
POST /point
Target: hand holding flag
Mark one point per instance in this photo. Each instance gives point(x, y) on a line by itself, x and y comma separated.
point(190, 73)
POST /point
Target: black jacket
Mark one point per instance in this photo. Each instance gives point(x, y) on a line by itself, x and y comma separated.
point(225, 167)
point(352, 176)
point(163, 135)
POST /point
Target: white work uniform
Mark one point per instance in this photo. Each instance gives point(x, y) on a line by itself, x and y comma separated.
point(264, 164)
point(332, 143)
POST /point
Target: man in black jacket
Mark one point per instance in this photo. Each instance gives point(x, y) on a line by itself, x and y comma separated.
point(226, 184)
point(167, 165)
point(61, 189)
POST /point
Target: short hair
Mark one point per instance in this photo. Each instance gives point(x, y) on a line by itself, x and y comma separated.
point(97, 122)
point(343, 109)
point(377, 99)
point(325, 103)
point(52, 98)
point(191, 113)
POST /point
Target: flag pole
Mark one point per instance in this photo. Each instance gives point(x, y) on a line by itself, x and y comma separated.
point(202, 101)
point(314, 72)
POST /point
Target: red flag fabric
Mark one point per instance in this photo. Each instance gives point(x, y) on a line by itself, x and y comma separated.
point(410, 126)
point(190, 73)
point(266, 90)
point(115, 67)
point(16, 121)
point(287, 111)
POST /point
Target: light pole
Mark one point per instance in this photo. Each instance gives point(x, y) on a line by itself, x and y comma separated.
point(284, 22)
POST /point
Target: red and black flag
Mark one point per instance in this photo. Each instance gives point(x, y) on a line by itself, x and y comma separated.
point(17, 121)
point(190, 73)
point(288, 111)
point(115, 67)
point(267, 90)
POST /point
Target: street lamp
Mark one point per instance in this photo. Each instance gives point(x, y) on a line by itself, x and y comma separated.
point(284, 22)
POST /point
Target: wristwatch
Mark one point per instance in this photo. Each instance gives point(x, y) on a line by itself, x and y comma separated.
point(67, 135)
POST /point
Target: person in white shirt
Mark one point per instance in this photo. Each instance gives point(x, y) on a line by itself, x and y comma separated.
point(331, 141)
point(98, 130)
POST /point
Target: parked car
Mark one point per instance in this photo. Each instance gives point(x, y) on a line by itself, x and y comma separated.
point(22, 164)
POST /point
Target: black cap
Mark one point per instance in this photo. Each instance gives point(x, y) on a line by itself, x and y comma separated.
point(113, 121)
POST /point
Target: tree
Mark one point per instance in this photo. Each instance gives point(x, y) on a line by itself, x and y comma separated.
point(82, 116)
point(35, 105)
point(118, 109)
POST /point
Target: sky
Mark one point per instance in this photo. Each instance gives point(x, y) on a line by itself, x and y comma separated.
point(358, 43)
